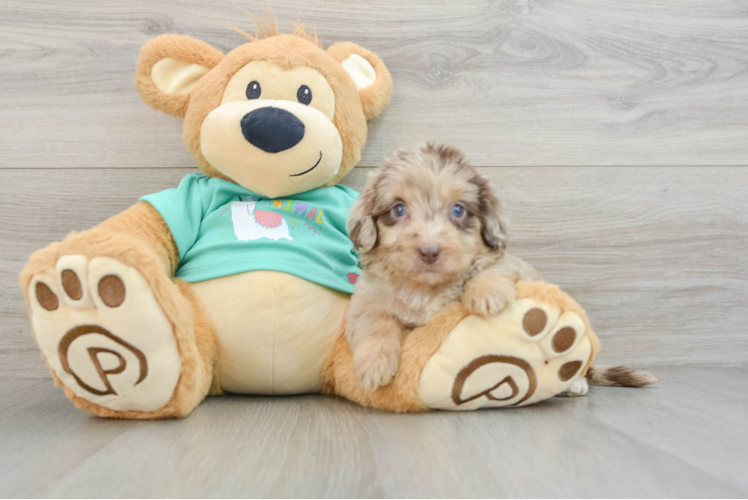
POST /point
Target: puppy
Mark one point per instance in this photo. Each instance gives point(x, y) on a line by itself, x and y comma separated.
point(429, 231)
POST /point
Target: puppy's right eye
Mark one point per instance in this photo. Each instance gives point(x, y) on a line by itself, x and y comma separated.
point(254, 90)
point(399, 210)
point(458, 211)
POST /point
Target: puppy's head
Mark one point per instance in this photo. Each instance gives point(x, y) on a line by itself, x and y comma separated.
point(425, 216)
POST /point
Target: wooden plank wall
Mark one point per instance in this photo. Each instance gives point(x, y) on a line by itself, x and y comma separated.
point(617, 132)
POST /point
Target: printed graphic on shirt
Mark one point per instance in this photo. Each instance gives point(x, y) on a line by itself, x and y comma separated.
point(251, 224)
point(265, 218)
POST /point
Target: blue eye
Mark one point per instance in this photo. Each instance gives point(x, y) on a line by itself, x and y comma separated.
point(399, 210)
point(458, 211)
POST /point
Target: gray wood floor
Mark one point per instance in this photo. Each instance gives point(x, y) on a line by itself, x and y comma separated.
point(685, 437)
point(617, 134)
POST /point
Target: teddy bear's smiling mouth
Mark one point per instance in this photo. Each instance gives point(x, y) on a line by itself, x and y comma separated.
point(307, 171)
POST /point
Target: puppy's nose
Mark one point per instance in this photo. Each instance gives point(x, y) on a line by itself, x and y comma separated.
point(429, 253)
point(272, 129)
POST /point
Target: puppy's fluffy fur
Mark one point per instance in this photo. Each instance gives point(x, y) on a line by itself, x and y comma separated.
point(430, 231)
point(419, 253)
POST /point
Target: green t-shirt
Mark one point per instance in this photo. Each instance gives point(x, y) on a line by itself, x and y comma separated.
point(222, 229)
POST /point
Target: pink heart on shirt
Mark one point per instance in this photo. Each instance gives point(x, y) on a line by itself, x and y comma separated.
point(352, 278)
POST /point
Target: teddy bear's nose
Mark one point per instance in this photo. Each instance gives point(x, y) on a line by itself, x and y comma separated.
point(272, 129)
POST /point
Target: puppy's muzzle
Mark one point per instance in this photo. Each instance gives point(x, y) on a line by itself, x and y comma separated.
point(272, 129)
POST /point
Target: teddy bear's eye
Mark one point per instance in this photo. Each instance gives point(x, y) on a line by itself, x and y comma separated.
point(304, 95)
point(254, 90)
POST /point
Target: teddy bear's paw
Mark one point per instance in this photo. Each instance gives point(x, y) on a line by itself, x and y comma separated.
point(102, 332)
point(529, 352)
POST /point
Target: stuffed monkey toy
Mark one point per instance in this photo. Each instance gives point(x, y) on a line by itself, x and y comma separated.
point(238, 279)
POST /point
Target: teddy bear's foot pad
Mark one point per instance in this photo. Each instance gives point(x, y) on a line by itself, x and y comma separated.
point(529, 352)
point(103, 333)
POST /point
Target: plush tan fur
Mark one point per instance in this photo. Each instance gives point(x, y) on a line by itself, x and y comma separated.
point(351, 106)
point(269, 27)
point(142, 221)
point(180, 47)
point(375, 97)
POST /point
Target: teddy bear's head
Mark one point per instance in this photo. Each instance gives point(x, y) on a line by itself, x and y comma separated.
point(279, 115)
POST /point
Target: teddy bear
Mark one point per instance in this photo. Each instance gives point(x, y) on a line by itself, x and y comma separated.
point(238, 279)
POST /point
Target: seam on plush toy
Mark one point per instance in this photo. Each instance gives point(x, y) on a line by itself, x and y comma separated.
point(272, 350)
point(184, 275)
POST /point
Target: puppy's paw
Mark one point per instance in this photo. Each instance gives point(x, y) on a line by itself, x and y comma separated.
point(375, 365)
point(484, 298)
point(579, 387)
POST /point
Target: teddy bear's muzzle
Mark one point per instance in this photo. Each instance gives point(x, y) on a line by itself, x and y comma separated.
point(272, 129)
point(272, 147)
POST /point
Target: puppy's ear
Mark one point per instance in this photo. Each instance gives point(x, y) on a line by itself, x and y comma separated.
point(169, 67)
point(362, 228)
point(492, 217)
point(371, 77)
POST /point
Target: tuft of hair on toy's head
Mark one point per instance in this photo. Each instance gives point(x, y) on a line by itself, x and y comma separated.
point(269, 27)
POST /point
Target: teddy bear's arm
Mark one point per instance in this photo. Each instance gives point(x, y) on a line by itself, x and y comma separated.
point(144, 222)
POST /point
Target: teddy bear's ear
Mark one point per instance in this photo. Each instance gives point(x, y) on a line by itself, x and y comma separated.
point(372, 79)
point(169, 67)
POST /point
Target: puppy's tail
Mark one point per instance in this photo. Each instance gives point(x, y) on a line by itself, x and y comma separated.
point(619, 376)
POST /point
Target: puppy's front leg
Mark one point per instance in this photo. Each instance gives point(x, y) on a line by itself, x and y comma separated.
point(489, 292)
point(376, 349)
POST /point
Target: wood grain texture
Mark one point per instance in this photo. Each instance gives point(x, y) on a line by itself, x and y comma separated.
point(513, 82)
point(657, 256)
point(660, 441)
point(42, 439)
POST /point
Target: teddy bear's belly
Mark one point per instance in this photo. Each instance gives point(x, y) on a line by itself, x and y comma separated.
point(274, 330)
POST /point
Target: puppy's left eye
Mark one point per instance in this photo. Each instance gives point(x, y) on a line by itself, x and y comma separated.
point(458, 211)
point(399, 210)
point(304, 95)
